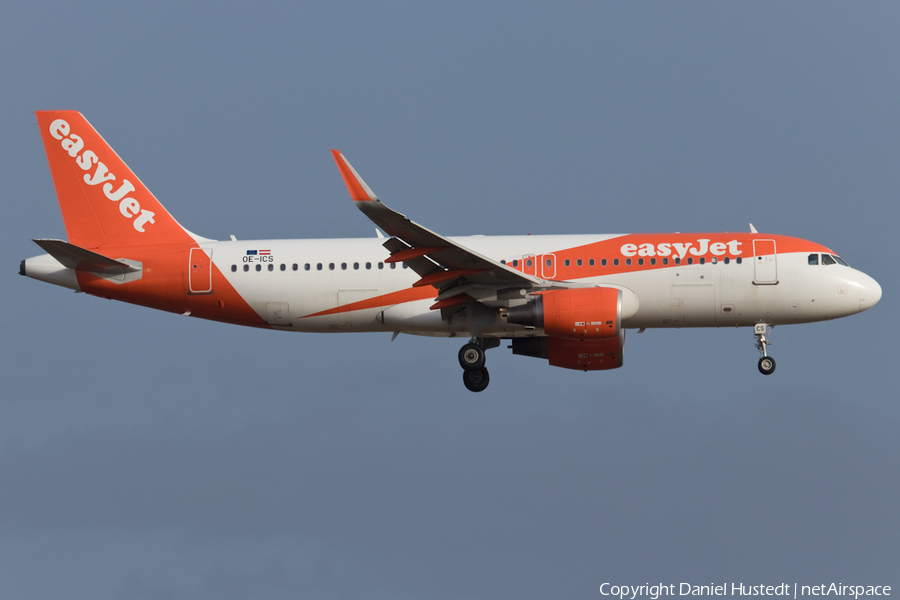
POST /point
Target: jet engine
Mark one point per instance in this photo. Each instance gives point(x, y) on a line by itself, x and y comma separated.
point(577, 314)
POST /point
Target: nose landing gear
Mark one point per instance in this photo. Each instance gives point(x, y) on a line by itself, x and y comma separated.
point(766, 363)
point(471, 359)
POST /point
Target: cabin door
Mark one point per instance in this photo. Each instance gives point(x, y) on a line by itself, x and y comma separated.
point(764, 263)
point(200, 269)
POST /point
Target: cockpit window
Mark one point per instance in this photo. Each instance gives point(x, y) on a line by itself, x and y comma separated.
point(839, 260)
point(827, 260)
point(813, 259)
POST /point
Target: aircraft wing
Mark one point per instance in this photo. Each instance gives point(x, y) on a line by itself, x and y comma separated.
point(438, 260)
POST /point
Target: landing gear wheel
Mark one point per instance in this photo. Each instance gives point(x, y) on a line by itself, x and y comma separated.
point(471, 358)
point(476, 380)
point(767, 365)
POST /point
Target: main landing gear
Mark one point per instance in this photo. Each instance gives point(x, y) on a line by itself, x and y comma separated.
point(471, 359)
point(766, 363)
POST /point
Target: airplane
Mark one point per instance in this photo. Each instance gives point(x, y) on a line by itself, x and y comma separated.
point(567, 299)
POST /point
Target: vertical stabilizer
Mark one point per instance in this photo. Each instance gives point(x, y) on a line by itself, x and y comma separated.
point(101, 199)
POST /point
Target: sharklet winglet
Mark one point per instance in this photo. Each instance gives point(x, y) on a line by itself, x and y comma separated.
point(359, 191)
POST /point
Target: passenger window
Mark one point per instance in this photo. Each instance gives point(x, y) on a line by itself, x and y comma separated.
point(259, 267)
point(246, 268)
point(641, 261)
point(738, 260)
point(628, 262)
point(615, 262)
point(380, 265)
point(602, 262)
point(827, 260)
point(502, 262)
point(272, 267)
point(579, 262)
point(677, 260)
point(813, 259)
point(652, 261)
point(702, 261)
point(528, 263)
point(515, 263)
point(356, 266)
point(690, 261)
point(233, 268)
point(305, 267)
point(665, 261)
point(714, 260)
point(294, 267)
point(727, 260)
point(368, 266)
point(591, 262)
point(405, 266)
point(283, 267)
point(319, 267)
point(567, 262)
point(343, 266)
point(331, 266)
point(393, 265)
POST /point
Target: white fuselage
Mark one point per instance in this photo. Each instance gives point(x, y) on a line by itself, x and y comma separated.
point(339, 272)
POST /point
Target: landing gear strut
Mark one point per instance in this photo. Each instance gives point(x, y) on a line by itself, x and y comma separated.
point(766, 363)
point(471, 359)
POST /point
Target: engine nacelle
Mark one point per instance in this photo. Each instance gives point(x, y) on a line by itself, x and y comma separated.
point(577, 314)
point(583, 355)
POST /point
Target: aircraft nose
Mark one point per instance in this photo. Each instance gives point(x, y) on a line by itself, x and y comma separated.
point(869, 292)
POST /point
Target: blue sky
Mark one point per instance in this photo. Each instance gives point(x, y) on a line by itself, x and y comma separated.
point(148, 455)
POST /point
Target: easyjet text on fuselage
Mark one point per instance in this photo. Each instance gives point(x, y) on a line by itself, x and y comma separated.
point(682, 249)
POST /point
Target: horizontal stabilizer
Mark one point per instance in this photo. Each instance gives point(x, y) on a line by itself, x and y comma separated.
point(75, 257)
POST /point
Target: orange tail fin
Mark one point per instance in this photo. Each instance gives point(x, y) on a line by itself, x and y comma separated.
point(101, 199)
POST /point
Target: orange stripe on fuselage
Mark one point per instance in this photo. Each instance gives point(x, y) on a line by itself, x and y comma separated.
point(399, 297)
point(164, 285)
point(648, 247)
